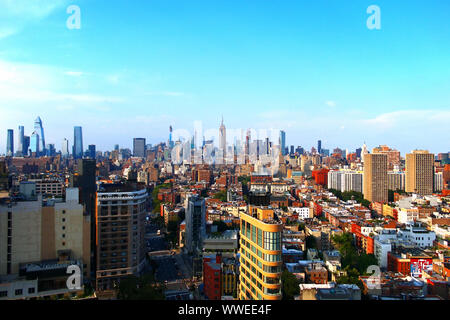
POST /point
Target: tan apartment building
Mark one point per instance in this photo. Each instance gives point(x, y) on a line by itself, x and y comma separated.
point(419, 172)
point(120, 223)
point(261, 255)
point(375, 178)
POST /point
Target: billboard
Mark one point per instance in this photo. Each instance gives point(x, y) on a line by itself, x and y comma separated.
point(419, 265)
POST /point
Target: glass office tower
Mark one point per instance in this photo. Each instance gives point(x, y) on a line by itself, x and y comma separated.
point(40, 132)
point(34, 143)
point(78, 143)
point(10, 143)
point(20, 142)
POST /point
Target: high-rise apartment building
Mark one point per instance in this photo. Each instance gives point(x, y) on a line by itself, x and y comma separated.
point(419, 172)
point(77, 143)
point(195, 223)
point(396, 181)
point(121, 210)
point(10, 143)
point(345, 180)
point(139, 147)
point(375, 180)
point(261, 255)
point(42, 238)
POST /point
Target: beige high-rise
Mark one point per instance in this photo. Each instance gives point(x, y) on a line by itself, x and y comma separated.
point(419, 172)
point(375, 180)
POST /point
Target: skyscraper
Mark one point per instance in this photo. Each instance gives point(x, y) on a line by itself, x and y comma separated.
point(195, 223)
point(91, 149)
point(84, 180)
point(10, 143)
point(171, 144)
point(261, 255)
point(375, 181)
point(119, 254)
point(319, 146)
point(39, 129)
point(20, 142)
point(419, 172)
point(139, 147)
point(283, 142)
point(65, 148)
point(222, 137)
point(34, 143)
point(78, 143)
point(26, 145)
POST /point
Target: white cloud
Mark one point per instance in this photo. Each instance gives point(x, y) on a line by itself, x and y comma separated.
point(17, 14)
point(330, 103)
point(74, 73)
point(165, 93)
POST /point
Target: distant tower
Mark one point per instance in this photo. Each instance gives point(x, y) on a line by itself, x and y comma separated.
point(39, 129)
point(223, 137)
point(170, 138)
point(364, 151)
point(77, 143)
point(319, 146)
point(34, 143)
point(65, 148)
point(283, 142)
point(10, 143)
point(21, 142)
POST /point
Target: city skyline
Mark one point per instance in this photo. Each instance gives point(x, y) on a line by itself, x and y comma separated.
point(192, 132)
point(314, 71)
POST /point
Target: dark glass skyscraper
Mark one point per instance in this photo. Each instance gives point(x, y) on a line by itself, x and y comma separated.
point(40, 131)
point(10, 143)
point(139, 147)
point(319, 146)
point(283, 142)
point(77, 143)
point(26, 145)
point(91, 151)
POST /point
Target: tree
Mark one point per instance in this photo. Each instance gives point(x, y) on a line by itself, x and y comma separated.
point(289, 285)
point(221, 195)
point(142, 288)
point(221, 226)
point(310, 242)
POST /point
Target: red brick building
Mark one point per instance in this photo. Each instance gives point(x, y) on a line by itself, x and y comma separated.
point(212, 277)
point(321, 176)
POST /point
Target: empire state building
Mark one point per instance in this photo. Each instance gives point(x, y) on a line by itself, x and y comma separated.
point(223, 138)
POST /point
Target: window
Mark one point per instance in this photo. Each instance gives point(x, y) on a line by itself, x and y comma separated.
point(31, 290)
point(19, 292)
point(3, 293)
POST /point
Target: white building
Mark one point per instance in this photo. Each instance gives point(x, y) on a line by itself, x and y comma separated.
point(303, 213)
point(418, 235)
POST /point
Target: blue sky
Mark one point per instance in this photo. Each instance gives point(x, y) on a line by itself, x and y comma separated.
point(312, 68)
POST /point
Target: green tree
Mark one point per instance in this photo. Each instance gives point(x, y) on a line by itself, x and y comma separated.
point(221, 195)
point(221, 226)
point(142, 288)
point(289, 285)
